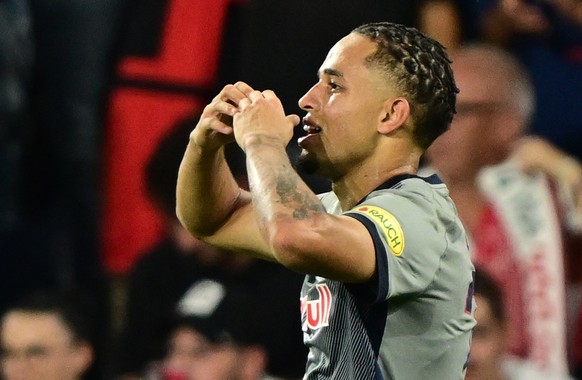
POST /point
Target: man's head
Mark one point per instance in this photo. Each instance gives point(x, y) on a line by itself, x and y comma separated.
point(420, 70)
point(45, 337)
point(488, 345)
point(494, 106)
point(381, 80)
point(218, 335)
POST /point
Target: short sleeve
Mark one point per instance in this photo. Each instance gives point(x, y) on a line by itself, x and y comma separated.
point(409, 241)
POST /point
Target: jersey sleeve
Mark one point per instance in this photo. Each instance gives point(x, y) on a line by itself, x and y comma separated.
point(409, 242)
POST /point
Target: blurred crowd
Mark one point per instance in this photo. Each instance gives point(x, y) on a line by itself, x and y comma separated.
point(98, 279)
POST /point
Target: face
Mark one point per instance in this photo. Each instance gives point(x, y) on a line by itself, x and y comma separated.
point(195, 358)
point(485, 127)
point(343, 109)
point(39, 346)
point(488, 344)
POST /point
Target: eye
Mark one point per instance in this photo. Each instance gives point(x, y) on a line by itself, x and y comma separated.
point(333, 86)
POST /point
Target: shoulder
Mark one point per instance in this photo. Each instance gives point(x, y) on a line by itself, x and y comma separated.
point(411, 195)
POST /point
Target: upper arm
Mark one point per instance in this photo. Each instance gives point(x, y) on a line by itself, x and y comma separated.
point(409, 239)
point(395, 246)
point(240, 232)
point(333, 246)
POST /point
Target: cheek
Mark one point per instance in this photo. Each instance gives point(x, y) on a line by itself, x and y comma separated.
point(60, 370)
point(450, 149)
point(487, 349)
point(459, 136)
point(47, 370)
point(480, 350)
point(215, 367)
point(180, 363)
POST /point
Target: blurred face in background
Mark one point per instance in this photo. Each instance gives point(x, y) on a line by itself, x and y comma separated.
point(39, 346)
point(488, 345)
point(191, 356)
point(487, 123)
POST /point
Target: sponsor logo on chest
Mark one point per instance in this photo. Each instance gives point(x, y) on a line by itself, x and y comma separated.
point(315, 312)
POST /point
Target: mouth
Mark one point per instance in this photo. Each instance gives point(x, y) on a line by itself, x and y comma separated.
point(310, 126)
point(312, 130)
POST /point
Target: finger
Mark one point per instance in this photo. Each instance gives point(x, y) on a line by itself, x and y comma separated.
point(234, 93)
point(294, 119)
point(256, 95)
point(244, 103)
point(243, 88)
point(224, 107)
point(221, 127)
point(269, 94)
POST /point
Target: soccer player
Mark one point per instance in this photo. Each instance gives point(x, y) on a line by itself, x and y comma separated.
point(388, 286)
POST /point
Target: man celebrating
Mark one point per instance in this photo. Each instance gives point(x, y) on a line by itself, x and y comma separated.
point(388, 286)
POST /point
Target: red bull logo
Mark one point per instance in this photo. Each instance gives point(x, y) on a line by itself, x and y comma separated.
point(316, 311)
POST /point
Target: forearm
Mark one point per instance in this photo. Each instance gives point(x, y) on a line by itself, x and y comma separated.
point(282, 201)
point(206, 192)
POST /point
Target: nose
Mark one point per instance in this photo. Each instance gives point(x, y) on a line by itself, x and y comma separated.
point(308, 101)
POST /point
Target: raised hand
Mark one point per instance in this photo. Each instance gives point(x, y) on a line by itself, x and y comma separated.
point(215, 128)
point(261, 119)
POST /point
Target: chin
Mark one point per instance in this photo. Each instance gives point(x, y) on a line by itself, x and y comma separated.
point(306, 163)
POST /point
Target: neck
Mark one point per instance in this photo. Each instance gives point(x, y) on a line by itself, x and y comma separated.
point(352, 187)
point(389, 158)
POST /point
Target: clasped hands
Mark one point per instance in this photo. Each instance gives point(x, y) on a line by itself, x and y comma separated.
point(245, 115)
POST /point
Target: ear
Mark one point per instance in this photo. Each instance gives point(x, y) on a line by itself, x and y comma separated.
point(396, 112)
point(83, 357)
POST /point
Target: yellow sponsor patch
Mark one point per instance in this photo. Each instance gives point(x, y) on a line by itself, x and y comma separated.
point(388, 225)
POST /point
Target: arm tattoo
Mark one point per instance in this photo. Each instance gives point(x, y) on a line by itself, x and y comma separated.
point(289, 191)
point(294, 198)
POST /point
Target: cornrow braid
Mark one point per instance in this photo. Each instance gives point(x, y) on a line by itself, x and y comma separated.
point(420, 68)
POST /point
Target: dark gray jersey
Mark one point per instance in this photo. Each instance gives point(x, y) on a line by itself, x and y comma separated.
point(414, 319)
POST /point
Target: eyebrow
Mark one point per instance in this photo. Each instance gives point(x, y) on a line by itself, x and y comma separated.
point(332, 72)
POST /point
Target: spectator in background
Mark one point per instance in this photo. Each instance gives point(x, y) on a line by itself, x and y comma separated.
point(46, 336)
point(163, 273)
point(515, 226)
point(546, 36)
point(217, 334)
point(489, 359)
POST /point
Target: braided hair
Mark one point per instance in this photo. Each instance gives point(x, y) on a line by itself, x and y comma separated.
point(420, 69)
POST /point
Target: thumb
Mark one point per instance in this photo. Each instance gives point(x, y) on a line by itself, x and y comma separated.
point(294, 119)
